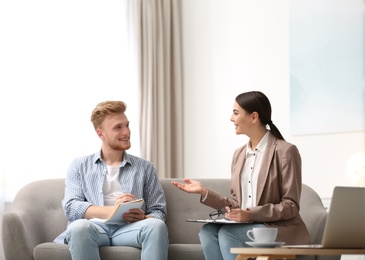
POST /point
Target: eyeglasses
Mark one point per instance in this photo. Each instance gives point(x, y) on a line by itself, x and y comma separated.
point(215, 214)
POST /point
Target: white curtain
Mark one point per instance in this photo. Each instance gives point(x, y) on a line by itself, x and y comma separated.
point(156, 27)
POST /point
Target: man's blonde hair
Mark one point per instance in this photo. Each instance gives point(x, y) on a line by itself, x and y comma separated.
point(104, 109)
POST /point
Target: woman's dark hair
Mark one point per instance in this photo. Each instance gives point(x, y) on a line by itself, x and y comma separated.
point(256, 101)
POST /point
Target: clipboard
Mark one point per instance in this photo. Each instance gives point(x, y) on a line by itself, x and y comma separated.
point(216, 221)
point(219, 221)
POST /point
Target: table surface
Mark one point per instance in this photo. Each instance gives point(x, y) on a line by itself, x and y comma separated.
point(255, 251)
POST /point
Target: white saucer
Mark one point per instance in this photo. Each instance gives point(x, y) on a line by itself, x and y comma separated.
point(267, 244)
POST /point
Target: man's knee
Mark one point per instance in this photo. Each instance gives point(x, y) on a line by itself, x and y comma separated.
point(81, 227)
point(156, 225)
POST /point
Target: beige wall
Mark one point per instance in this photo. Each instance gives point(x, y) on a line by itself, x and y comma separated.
point(234, 46)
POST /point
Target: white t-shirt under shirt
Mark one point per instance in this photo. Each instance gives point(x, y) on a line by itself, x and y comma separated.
point(250, 172)
point(111, 188)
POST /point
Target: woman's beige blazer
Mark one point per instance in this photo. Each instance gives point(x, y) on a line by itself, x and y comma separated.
point(278, 191)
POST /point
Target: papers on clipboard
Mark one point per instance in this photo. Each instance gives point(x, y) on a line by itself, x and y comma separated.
point(116, 217)
point(217, 221)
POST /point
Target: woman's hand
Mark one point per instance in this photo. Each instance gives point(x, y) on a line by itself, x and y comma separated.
point(191, 186)
point(238, 215)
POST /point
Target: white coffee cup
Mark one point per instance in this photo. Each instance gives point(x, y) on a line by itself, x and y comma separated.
point(262, 235)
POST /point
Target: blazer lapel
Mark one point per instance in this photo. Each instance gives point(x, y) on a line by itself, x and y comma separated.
point(236, 183)
point(264, 172)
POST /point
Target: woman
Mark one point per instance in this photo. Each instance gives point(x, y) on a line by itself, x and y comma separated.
point(266, 184)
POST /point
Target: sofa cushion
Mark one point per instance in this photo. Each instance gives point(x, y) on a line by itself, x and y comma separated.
point(61, 252)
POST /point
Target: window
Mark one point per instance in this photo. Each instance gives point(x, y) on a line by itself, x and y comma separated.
point(58, 59)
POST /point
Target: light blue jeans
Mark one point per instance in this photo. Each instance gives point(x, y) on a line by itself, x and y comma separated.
point(85, 237)
point(217, 240)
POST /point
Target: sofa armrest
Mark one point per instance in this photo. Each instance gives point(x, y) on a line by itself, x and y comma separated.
point(17, 237)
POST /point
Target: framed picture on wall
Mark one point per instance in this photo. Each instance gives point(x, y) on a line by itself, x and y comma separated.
point(327, 66)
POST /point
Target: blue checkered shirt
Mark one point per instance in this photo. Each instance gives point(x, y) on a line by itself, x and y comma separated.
point(85, 180)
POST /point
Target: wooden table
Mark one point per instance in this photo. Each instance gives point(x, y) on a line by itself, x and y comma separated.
point(289, 252)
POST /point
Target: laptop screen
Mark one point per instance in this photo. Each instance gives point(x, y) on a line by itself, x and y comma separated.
point(345, 225)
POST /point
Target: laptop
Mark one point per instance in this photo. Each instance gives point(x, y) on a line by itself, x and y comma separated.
point(345, 224)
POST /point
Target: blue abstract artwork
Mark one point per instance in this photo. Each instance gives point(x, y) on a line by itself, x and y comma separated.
point(327, 66)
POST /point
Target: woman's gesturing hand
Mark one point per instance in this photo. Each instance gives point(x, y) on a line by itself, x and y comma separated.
point(191, 186)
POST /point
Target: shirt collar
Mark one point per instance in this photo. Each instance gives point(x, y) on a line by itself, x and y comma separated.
point(261, 146)
point(126, 158)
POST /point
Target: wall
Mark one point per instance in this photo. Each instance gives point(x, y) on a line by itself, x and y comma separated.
point(58, 60)
point(235, 46)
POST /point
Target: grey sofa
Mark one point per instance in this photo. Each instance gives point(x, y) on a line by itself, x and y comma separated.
point(37, 218)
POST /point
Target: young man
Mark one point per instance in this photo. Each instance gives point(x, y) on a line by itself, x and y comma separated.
point(97, 183)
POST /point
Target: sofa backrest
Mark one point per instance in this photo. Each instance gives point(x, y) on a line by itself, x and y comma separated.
point(313, 213)
point(182, 206)
point(40, 203)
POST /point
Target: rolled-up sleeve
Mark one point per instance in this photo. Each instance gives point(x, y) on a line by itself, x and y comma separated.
point(154, 195)
point(74, 202)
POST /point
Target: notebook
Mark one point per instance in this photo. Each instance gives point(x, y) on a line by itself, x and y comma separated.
point(345, 224)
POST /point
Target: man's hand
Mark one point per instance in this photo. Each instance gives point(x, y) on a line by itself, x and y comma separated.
point(104, 212)
point(124, 197)
point(133, 215)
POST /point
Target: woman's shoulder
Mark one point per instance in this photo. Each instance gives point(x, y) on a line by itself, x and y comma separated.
point(279, 142)
point(282, 146)
point(286, 149)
